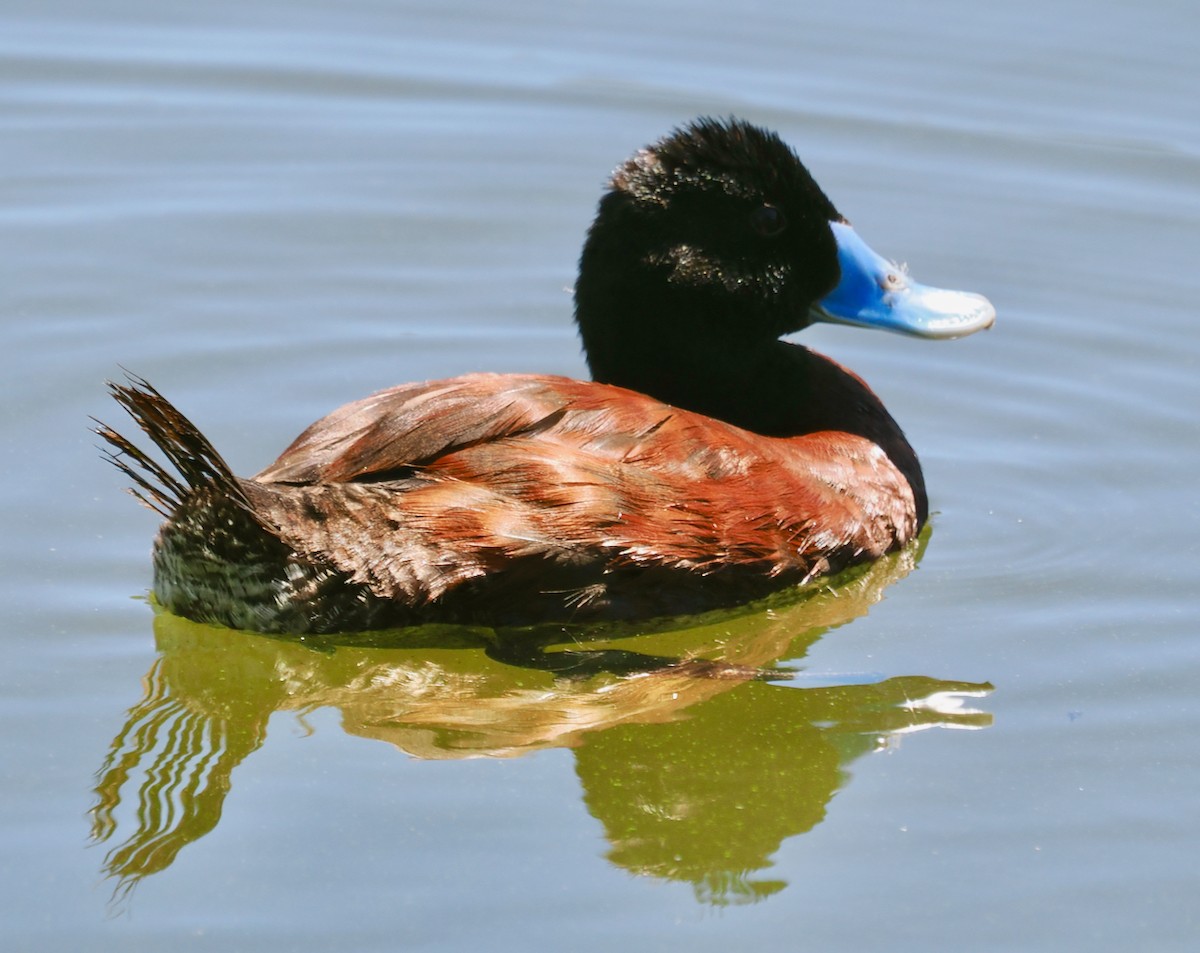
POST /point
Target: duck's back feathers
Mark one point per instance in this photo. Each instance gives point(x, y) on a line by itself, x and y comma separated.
point(404, 427)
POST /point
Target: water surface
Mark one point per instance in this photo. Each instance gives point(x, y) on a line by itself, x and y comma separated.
point(271, 210)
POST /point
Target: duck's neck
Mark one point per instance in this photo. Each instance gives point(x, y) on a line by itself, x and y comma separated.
point(775, 389)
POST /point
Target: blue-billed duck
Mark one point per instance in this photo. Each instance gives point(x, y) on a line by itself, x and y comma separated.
point(707, 462)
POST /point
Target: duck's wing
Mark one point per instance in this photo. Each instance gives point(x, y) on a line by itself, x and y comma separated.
point(407, 427)
point(418, 489)
point(423, 428)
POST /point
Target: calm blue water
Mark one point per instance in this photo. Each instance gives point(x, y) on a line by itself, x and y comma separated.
point(269, 209)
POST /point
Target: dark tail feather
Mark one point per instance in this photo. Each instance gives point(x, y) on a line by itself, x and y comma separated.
point(189, 452)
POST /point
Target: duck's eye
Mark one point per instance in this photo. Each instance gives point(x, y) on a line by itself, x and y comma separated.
point(768, 220)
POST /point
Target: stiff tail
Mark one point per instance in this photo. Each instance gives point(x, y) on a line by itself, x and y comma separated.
point(196, 462)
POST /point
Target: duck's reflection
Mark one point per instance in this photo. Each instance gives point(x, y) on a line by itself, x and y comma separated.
point(697, 765)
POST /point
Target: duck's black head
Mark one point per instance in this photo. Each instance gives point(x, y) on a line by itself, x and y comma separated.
point(715, 241)
point(717, 233)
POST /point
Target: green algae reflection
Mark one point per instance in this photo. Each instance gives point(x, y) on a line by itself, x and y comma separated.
point(694, 759)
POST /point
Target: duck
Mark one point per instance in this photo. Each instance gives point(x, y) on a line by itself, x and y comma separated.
point(707, 462)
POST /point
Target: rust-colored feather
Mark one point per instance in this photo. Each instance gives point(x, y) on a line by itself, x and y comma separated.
point(569, 475)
